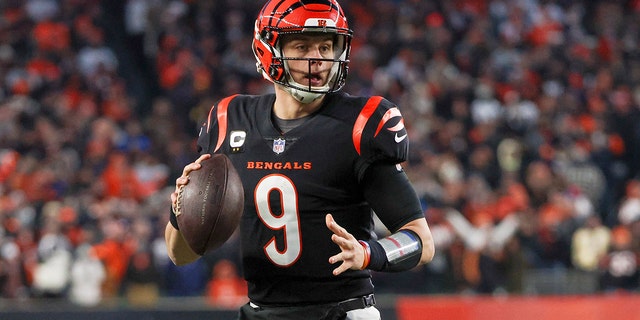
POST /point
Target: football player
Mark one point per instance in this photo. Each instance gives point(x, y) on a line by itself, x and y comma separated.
point(315, 164)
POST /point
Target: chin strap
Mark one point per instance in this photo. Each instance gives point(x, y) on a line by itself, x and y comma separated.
point(303, 96)
point(400, 251)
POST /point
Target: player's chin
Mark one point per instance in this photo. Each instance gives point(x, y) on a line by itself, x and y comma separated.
point(318, 79)
point(311, 81)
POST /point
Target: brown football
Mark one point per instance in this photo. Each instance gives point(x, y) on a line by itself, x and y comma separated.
point(210, 205)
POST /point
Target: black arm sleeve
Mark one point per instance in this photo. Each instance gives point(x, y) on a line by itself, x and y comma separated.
point(391, 195)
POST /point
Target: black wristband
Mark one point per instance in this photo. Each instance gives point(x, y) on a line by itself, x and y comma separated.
point(173, 219)
point(378, 259)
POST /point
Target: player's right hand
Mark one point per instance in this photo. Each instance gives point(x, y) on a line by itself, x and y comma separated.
point(184, 179)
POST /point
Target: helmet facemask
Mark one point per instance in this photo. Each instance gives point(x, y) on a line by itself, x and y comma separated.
point(288, 18)
point(307, 93)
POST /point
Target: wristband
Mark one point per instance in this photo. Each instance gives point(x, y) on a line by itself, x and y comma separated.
point(367, 254)
point(173, 219)
point(398, 252)
point(378, 259)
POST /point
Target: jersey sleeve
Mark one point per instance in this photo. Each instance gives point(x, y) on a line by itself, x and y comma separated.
point(379, 134)
point(204, 139)
point(214, 128)
point(391, 196)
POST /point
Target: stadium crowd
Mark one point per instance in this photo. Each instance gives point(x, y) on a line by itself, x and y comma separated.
point(524, 119)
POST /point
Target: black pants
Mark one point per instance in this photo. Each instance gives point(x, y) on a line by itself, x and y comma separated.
point(330, 311)
point(311, 312)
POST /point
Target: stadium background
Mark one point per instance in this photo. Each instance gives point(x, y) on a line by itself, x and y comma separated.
point(523, 116)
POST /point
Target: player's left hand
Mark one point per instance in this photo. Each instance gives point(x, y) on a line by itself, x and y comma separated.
point(352, 254)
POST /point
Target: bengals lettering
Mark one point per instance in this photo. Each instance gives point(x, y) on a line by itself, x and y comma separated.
point(264, 165)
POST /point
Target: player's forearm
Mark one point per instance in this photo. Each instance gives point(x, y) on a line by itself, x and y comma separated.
point(420, 227)
point(392, 197)
point(403, 250)
point(177, 248)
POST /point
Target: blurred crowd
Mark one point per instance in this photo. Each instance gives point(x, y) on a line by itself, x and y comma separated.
point(524, 119)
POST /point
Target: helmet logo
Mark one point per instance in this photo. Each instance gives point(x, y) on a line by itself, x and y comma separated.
point(319, 23)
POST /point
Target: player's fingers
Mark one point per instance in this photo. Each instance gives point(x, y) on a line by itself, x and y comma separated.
point(336, 228)
point(348, 261)
point(190, 167)
point(203, 157)
point(195, 165)
point(348, 250)
point(329, 220)
point(343, 243)
point(334, 259)
point(181, 181)
point(346, 255)
point(340, 269)
point(349, 247)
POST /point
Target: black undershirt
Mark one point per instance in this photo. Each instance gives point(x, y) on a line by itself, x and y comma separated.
point(286, 125)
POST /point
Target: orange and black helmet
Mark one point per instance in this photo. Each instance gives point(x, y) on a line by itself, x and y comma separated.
point(284, 17)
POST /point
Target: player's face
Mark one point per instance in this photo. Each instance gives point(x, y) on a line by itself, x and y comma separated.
point(310, 49)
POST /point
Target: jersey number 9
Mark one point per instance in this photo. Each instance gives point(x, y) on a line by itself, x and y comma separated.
point(287, 221)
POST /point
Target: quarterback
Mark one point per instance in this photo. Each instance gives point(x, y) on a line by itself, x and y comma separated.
point(316, 163)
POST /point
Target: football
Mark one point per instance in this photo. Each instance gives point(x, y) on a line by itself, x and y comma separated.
point(210, 205)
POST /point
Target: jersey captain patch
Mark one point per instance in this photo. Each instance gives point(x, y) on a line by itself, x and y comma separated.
point(236, 141)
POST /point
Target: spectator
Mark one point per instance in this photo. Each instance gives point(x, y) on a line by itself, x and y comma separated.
point(226, 288)
point(619, 268)
point(52, 274)
point(87, 276)
point(142, 280)
point(590, 244)
point(629, 211)
point(115, 253)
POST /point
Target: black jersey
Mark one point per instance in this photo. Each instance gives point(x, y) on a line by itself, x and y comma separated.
point(293, 180)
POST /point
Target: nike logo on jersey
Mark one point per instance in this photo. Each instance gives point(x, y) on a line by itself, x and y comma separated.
point(390, 114)
point(400, 138)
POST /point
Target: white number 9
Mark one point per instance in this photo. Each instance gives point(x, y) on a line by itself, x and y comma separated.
point(288, 220)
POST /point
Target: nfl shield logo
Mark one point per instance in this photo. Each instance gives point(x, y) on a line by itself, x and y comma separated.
point(278, 145)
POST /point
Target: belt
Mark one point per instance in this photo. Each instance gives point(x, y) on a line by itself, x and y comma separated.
point(358, 303)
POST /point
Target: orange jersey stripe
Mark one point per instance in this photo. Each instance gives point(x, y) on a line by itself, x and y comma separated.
point(221, 115)
point(363, 117)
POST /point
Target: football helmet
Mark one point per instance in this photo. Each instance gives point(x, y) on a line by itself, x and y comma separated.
point(286, 17)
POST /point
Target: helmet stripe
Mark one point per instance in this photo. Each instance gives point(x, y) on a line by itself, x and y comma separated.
point(274, 11)
point(299, 4)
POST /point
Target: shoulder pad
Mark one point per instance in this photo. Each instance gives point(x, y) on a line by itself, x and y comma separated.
point(379, 132)
point(214, 129)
